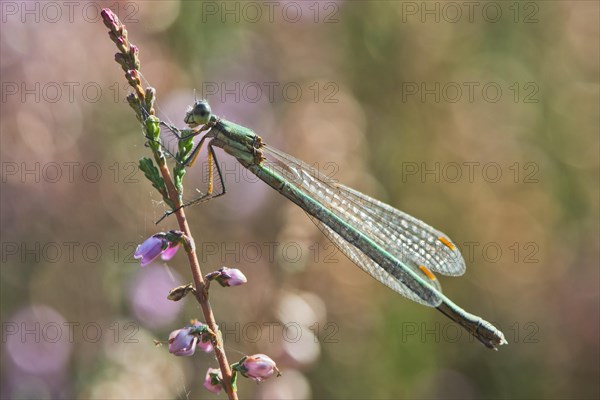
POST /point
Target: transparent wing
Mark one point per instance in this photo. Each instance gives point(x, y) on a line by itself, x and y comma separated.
point(371, 267)
point(407, 238)
point(169, 139)
point(411, 235)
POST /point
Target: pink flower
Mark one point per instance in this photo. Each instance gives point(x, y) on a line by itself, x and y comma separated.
point(230, 277)
point(182, 342)
point(205, 346)
point(204, 342)
point(170, 251)
point(258, 367)
point(212, 381)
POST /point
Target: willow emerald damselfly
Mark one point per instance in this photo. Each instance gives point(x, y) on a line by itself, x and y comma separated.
point(398, 250)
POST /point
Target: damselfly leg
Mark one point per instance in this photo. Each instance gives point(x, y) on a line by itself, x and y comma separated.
point(215, 186)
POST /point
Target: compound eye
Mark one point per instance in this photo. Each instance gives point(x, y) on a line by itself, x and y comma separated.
point(202, 112)
point(199, 114)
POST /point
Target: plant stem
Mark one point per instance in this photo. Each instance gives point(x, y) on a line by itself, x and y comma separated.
point(201, 292)
point(128, 59)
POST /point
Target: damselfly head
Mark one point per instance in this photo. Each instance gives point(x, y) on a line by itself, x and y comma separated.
point(198, 114)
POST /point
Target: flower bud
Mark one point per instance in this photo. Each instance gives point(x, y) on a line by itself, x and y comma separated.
point(212, 381)
point(180, 292)
point(230, 277)
point(258, 367)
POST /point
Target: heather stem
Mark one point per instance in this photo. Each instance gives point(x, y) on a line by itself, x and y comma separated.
point(142, 102)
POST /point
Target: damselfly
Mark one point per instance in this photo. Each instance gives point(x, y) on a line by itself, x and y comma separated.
point(395, 248)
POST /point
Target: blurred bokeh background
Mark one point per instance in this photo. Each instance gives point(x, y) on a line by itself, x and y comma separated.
point(481, 119)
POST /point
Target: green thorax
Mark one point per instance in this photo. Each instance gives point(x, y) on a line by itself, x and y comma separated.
point(239, 141)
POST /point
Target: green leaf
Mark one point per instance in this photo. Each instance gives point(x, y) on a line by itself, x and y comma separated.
point(152, 128)
point(146, 165)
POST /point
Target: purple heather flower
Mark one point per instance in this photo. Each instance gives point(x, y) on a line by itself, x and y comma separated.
point(154, 246)
point(170, 251)
point(230, 277)
point(205, 346)
point(182, 342)
point(258, 367)
point(204, 342)
point(149, 249)
point(212, 381)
